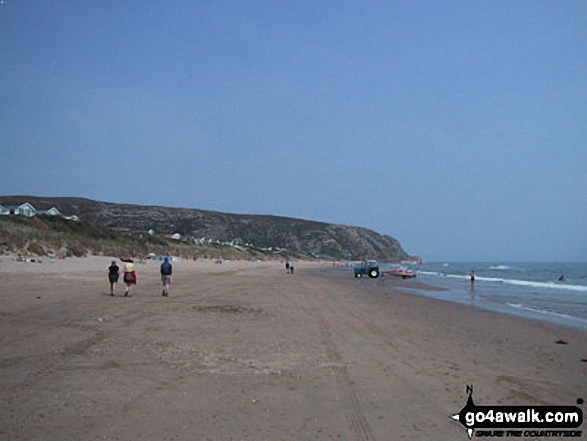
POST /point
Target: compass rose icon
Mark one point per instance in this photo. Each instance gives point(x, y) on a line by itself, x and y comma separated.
point(460, 417)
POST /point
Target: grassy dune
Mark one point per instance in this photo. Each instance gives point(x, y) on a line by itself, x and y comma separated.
point(45, 235)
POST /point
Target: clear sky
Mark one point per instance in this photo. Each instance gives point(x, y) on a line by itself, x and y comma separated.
point(458, 127)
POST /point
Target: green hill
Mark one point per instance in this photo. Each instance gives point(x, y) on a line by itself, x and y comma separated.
point(51, 235)
point(247, 234)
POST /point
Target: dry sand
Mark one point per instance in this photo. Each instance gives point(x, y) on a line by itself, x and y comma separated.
point(244, 351)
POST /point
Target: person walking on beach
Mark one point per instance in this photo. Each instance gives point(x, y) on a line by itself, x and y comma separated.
point(287, 266)
point(130, 277)
point(166, 271)
point(113, 275)
point(291, 268)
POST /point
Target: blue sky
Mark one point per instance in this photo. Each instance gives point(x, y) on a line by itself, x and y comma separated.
point(458, 127)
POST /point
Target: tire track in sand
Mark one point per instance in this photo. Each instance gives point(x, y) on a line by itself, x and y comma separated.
point(57, 360)
point(348, 397)
point(351, 405)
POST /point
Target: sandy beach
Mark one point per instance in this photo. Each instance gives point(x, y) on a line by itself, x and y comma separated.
point(244, 351)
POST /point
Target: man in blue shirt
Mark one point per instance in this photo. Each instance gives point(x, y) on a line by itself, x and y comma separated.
point(166, 270)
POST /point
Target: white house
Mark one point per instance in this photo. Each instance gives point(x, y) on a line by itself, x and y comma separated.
point(26, 210)
point(53, 211)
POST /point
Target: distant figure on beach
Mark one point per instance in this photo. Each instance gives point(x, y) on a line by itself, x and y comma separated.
point(130, 277)
point(473, 276)
point(472, 294)
point(113, 274)
point(287, 266)
point(166, 271)
point(291, 268)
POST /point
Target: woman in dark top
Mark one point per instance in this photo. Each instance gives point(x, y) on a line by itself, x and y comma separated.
point(113, 275)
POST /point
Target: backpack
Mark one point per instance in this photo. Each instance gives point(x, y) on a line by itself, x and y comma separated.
point(129, 278)
point(166, 269)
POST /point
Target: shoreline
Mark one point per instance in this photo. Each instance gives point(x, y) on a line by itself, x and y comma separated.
point(429, 290)
point(413, 288)
point(242, 350)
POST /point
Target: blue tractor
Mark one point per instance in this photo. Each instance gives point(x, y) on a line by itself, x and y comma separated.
point(367, 268)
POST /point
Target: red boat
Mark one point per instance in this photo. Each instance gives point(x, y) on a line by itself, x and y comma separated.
point(403, 273)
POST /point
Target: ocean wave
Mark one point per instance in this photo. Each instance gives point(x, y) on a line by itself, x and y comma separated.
point(526, 283)
point(550, 285)
point(543, 311)
point(430, 273)
point(500, 267)
point(439, 274)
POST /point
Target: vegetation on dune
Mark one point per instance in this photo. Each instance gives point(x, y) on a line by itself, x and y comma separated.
point(251, 232)
point(52, 235)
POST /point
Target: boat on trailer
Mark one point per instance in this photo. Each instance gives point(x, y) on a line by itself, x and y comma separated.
point(401, 272)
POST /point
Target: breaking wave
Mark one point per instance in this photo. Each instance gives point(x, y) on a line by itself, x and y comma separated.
point(500, 267)
point(543, 311)
point(526, 283)
point(549, 285)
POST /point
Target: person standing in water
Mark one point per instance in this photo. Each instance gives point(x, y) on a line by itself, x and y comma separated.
point(473, 276)
point(113, 275)
point(166, 271)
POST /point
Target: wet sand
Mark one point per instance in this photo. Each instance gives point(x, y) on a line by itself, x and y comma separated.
point(244, 351)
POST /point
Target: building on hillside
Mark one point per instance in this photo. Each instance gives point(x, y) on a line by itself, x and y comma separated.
point(53, 211)
point(26, 210)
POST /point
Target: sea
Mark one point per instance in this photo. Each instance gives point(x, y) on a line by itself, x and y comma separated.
point(550, 291)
